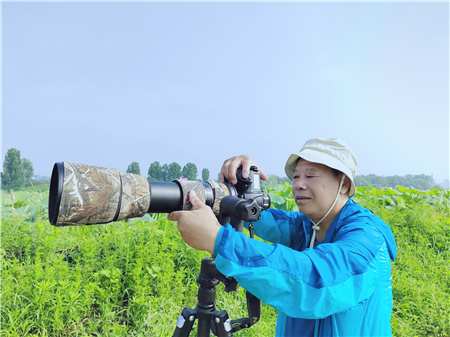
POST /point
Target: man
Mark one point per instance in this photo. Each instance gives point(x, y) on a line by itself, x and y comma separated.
point(328, 271)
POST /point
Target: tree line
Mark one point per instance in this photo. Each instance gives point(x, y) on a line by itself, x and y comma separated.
point(169, 172)
point(418, 182)
point(18, 173)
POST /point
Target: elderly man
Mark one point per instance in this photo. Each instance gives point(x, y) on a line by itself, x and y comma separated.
point(328, 271)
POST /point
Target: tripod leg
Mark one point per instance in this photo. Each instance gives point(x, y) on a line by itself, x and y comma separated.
point(185, 322)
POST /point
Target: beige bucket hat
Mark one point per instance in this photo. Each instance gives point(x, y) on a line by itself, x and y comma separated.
point(332, 152)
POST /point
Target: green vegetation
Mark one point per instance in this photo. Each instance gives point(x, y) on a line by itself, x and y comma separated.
point(16, 171)
point(155, 172)
point(205, 174)
point(275, 180)
point(190, 171)
point(421, 181)
point(134, 168)
point(38, 186)
point(134, 278)
point(172, 171)
point(28, 170)
point(421, 273)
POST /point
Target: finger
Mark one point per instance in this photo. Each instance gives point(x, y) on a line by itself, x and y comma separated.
point(196, 202)
point(231, 173)
point(222, 176)
point(246, 163)
point(230, 167)
point(224, 171)
point(262, 174)
point(173, 216)
point(234, 165)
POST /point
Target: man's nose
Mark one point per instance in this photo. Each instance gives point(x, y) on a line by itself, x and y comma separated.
point(299, 184)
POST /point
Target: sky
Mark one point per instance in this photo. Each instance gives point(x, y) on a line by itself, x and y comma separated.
point(111, 83)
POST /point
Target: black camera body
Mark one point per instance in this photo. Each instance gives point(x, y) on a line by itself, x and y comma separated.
point(248, 203)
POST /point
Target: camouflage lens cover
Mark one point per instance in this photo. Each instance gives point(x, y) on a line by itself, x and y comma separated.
point(220, 190)
point(95, 195)
point(190, 185)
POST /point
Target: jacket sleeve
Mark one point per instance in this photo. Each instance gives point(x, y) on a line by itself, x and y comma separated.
point(277, 226)
point(311, 284)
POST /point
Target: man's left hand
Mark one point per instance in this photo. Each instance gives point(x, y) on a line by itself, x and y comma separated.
point(198, 227)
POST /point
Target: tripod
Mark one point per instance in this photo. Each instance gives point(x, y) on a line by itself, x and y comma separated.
point(210, 319)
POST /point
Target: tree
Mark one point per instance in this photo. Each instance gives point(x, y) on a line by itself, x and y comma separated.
point(28, 170)
point(205, 174)
point(134, 168)
point(173, 171)
point(421, 182)
point(155, 171)
point(190, 171)
point(273, 179)
point(164, 172)
point(13, 176)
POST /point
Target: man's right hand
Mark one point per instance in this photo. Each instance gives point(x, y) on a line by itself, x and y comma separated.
point(231, 165)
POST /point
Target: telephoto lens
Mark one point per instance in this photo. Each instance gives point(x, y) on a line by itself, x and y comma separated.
point(88, 195)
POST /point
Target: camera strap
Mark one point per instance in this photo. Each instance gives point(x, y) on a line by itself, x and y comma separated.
point(254, 314)
point(253, 302)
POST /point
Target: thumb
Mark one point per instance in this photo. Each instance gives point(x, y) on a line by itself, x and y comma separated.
point(173, 216)
point(196, 202)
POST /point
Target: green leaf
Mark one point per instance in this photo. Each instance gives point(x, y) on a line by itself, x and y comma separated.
point(146, 218)
point(275, 198)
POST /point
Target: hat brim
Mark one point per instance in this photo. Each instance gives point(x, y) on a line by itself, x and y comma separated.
point(319, 158)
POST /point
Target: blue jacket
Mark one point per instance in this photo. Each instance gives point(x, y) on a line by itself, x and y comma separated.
point(342, 287)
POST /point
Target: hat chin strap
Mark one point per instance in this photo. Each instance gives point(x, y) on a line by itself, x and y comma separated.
point(316, 225)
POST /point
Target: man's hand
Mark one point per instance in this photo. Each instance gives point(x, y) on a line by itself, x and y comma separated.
point(231, 165)
point(198, 227)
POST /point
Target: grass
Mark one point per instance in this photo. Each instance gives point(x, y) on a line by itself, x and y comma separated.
point(134, 278)
point(121, 279)
point(421, 272)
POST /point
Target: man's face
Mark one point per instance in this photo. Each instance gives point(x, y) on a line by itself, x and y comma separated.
point(314, 187)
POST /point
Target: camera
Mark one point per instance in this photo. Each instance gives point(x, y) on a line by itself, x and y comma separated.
point(88, 195)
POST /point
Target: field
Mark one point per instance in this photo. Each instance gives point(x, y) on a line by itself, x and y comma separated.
point(133, 278)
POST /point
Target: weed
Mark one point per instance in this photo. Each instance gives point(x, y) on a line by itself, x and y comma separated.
point(133, 278)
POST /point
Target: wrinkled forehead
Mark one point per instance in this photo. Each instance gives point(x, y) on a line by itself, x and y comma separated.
point(308, 166)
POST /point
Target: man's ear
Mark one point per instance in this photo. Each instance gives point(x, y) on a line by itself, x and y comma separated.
point(346, 186)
